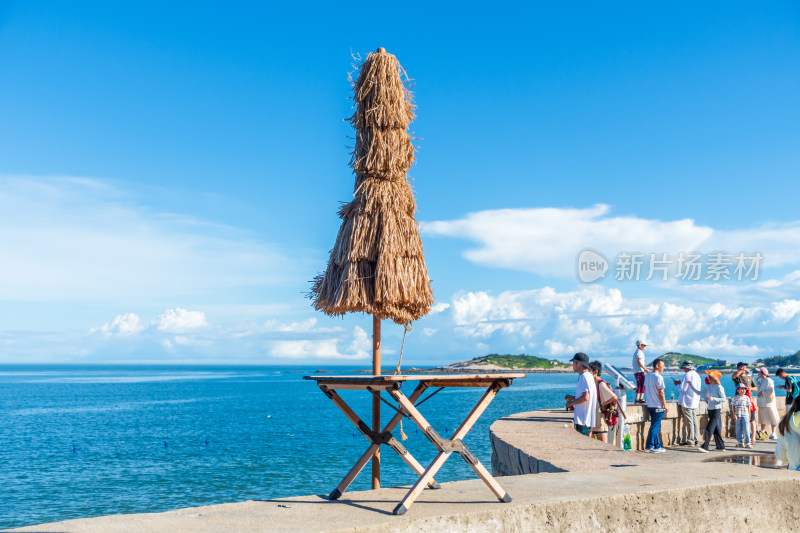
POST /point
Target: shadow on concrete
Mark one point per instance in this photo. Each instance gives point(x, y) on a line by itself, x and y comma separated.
point(683, 449)
point(536, 419)
point(365, 504)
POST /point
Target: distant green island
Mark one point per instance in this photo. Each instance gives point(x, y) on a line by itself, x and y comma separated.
point(674, 360)
point(513, 361)
point(782, 360)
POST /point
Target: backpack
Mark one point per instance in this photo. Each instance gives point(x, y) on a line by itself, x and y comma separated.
point(795, 392)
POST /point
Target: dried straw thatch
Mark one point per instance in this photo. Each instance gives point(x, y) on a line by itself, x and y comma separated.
point(377, 264)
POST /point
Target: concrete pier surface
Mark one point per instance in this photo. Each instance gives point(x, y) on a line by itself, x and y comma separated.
point(588, 486)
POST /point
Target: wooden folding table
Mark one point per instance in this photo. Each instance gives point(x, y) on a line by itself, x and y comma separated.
point(407, 407)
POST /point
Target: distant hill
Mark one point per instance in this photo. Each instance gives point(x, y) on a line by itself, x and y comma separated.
point(674, 359)
point(511, 361)
point(783, 360)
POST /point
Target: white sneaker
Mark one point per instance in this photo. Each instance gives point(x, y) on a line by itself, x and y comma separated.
point(748, 445)
point(702, 450)
point(773, 437)
point(659, 450)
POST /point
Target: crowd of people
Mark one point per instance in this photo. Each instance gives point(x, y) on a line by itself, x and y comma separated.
point(596, 409)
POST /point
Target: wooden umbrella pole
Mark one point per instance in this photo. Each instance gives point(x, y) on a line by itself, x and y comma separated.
point(376, 402)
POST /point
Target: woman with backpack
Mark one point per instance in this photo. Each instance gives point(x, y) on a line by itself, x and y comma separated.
point(607, 406)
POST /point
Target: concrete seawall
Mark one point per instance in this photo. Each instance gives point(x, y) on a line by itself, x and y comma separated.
point(583, 485)
point(545, 441)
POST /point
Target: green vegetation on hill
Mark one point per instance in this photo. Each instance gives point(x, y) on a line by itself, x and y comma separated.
point(518, 361)
point(783, 360)
point(673, 359)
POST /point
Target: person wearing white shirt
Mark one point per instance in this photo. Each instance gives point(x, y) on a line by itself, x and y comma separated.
point(656, 406)
point(585, 401)
point(688, 402)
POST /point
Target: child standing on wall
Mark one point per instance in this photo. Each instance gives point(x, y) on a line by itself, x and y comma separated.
point(741, 405)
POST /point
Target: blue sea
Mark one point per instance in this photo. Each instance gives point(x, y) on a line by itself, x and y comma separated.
point(82, 441)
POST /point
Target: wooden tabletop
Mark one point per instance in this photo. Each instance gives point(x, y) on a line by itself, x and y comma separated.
point(360, 378)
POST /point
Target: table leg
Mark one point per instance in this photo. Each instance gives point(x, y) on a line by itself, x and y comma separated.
point(375, 447)
point(445, 447)
point(410, 461)
point(351, 475)
point(468, 456)
point(411, 496)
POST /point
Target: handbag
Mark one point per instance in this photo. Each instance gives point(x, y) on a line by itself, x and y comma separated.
point(610, 411)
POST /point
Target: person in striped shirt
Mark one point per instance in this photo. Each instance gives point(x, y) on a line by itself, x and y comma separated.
point(740, 405)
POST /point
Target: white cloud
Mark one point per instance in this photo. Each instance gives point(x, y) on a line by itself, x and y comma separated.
point(547, 241)
point(88, 240)
point(722, 344)
point(180, 320)
point(301, 326)
point(125, 325)
point(439, 307)
point(358, 349)
point(361, 347)
point(785, 310)
point(601, 321)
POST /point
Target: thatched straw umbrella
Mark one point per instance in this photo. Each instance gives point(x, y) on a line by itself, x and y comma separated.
point(377, 264)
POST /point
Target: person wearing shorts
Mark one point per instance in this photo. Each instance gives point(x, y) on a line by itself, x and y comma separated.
point(639, 369)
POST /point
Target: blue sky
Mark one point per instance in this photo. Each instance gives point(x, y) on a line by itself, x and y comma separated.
point(170, 176)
